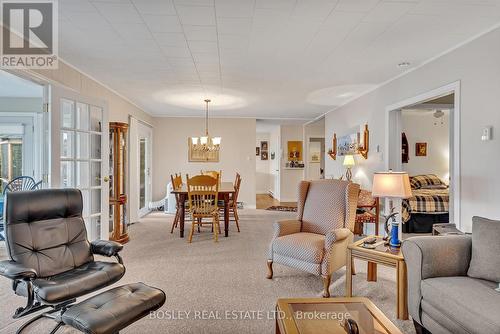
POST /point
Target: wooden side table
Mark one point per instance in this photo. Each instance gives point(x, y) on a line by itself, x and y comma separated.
point(384, 255)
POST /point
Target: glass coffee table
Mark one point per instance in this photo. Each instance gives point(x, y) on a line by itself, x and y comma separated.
point(326, 315)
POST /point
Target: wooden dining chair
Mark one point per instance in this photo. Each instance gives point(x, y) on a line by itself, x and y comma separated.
point(213, 173)
point(203, 191)
point(176, 184)
point(233, 202)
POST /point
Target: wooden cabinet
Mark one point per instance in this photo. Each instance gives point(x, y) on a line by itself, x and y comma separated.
point(117, 192)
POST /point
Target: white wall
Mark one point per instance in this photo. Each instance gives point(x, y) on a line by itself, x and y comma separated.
point(262, 169)
point(421, 126)
point(290, 178)
point(477, 66)
point(237, 152)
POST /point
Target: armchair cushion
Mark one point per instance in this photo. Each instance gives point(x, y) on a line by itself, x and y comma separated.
point(485, 261)
point(105, 247)
point(471, 303)
point(76, 282)
point(302, 246)
point(14, 270)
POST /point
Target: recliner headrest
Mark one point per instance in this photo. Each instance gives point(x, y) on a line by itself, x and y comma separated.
point(36, 205)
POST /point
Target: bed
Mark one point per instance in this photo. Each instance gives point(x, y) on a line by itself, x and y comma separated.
point(429, 204)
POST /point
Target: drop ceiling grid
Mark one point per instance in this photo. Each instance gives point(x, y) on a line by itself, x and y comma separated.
point(255, 45)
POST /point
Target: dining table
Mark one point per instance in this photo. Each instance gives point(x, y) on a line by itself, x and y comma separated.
point(226, 190)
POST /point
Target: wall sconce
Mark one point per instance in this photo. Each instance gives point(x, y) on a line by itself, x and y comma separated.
point(333, 151)
point(363, 150)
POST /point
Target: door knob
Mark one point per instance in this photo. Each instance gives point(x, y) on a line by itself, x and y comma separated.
point(106, 179)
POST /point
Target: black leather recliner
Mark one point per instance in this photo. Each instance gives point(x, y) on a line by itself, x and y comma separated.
point(51, 261)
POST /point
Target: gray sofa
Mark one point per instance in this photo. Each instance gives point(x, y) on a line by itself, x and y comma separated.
point(442, 295)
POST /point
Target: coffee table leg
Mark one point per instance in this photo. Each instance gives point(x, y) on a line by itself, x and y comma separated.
point(372, 272)
point(402, 295)
point(348, 274)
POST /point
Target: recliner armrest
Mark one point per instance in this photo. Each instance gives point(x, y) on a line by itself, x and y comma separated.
point(14, 270)
point(105, 247)
point(286, 227)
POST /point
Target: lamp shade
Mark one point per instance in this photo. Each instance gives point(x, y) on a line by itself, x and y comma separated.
point(349, 161)
point(391, 184)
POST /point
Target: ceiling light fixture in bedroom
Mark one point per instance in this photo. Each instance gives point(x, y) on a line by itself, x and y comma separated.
point(438, 114)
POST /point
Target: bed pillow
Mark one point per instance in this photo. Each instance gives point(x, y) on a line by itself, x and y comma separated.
point(425, 180)
point(485, 261)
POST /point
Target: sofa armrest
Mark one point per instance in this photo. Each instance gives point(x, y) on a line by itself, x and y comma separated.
point(433, 256)
point(105, 247)
point(286, 227)
point(14, 270)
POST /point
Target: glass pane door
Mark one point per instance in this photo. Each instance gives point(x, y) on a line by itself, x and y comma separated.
point(80, 129)
point(145, 161)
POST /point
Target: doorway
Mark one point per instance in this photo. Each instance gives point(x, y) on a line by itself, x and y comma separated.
point(439, 109)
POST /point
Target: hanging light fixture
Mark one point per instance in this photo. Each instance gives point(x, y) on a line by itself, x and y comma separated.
point(206, 143)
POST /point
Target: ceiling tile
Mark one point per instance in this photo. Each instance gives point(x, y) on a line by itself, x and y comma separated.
point(237, 26)
point(132, 31)
point(313, 9)
point(200, 33)
point(197, 15)
point(162, 23)
point(194, 2)
point(176, 52)
point(356, 5)
point(157, 7)
point(170, 39)
point(234, 8)
point(118, 13)
point(388, 11)
point(277, 4)
point(203, 46)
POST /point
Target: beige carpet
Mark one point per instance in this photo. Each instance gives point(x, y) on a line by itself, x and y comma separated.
point(215, 278)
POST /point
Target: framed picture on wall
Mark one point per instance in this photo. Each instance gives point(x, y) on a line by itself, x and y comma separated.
point(257, 151)
point(421, 149)
point(263, 155)
point(263, 146)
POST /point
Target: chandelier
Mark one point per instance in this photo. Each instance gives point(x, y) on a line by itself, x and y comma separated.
point(206, 143)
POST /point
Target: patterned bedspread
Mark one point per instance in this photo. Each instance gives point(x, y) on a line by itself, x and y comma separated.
point(426, 201)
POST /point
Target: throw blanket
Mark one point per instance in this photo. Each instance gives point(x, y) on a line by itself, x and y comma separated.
point(426, 201)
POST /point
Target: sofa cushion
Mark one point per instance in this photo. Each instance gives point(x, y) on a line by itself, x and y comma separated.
point(485, 261)
point(303, 246)
point(470, 302)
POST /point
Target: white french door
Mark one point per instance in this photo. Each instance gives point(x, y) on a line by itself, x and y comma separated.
point(145, 146)
point(80, 154)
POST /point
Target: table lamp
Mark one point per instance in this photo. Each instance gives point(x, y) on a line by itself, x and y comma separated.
point(348, 163)
point(392, 185)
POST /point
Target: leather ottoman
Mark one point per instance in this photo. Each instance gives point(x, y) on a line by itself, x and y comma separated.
point(113, 310)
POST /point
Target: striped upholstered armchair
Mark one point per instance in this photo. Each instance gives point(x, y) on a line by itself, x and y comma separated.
point(317, 240)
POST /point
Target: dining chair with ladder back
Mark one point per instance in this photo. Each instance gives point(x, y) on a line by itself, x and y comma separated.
point(368, 211)
point(203, 191)
point(176, 184)
point(233, 202)
point(213, 173)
